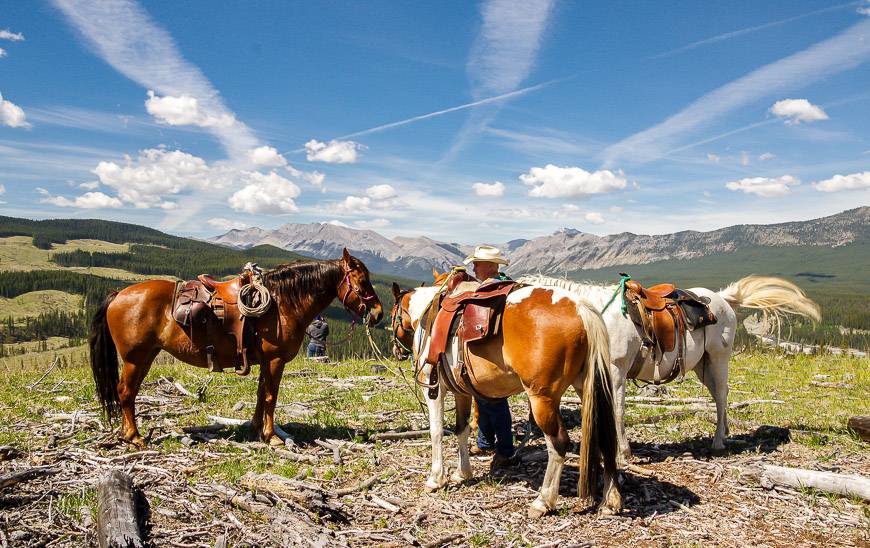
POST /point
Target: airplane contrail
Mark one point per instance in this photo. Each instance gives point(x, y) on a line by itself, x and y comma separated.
point(732, 34)
point(465, 106)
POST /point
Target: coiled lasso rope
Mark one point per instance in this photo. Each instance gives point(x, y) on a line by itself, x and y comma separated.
point(254, 293)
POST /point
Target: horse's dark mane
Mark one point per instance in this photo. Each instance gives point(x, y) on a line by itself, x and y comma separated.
point(296, 281)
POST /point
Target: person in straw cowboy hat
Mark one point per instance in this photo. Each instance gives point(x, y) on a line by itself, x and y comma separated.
point(494, 430)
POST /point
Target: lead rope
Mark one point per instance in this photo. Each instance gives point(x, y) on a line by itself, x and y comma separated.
point(254, 293)
point(620, 290)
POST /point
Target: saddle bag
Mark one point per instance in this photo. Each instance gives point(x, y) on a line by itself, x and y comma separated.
point(191, 304)
point(696, 310)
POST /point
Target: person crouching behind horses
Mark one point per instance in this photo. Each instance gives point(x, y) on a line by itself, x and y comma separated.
point(494, 426)
point(317, 333)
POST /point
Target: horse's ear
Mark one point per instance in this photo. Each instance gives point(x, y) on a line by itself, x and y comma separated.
point(396, 290)
point(435, 273)
point(345, 260)
point(422, 284)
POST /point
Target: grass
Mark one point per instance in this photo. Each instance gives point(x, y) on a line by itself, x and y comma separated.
point(30, 305)
point(17, 253)
point(345, 402)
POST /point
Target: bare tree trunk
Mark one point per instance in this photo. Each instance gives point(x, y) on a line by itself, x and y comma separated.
point(848, 485)
point(117, 526)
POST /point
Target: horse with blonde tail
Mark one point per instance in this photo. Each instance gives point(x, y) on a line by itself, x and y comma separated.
point(704, 350)
point(549, 340)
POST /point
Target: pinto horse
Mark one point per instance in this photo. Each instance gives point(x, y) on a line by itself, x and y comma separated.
point(136, 324)
point(707, 349)
point(550, 340)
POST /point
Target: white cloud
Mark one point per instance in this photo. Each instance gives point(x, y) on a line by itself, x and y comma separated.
point(494, 189)
point(2, 53)
point(156, 173)
point(507, 45)
point(266, 156)
point(855, 181)
point(336, 222)
point(713, 158)
point(594, 217)
point(767, 156)
point(865, 9)
point(744, 158)
point(846, 50)
point(560, 182)
point(315, 178)
point(374, 223)
point(616, 209)
point(90, 185)
point(266, 194)
point(355, 204)
point(6, 34)
point(88, 200)
point(184, 111)
point(11, 114)
point(333, 152)
point(766, 187)
point(380, 192)
point(227, 224)
point(126, 37)
point(796, 111)
point(2, 190)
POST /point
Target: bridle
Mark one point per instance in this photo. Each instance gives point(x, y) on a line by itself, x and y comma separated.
point(396, 317)
point(362, 310)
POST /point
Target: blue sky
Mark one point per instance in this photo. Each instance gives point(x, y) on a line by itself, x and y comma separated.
point(460, 121)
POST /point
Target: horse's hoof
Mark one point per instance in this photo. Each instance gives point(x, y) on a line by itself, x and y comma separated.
point(432, 486)
point(458, 477)
point(606, 510)
point(537, 510)
point(275, 441)
point(583, 504)
point(718, 451)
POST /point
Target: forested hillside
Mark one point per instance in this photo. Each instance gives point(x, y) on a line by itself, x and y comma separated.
point(151, 253)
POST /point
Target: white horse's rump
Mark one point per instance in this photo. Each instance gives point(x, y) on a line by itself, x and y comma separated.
point(774, 297)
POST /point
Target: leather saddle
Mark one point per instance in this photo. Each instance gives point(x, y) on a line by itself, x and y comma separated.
point(208, 310)
point(664, 313)
point(471, 316)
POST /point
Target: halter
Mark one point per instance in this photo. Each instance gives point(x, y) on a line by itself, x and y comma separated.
point(396, 319)
point(363, 308)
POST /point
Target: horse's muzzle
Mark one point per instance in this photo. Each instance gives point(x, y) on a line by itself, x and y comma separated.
point(376, 314)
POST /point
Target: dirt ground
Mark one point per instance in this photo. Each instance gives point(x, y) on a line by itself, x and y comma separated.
point(198, 485)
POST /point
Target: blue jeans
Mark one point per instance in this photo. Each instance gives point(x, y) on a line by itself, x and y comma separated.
point(315, 350)
point(494, 429)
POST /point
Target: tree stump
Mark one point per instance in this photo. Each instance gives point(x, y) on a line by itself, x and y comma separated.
point(117, 524)
point(861, 426)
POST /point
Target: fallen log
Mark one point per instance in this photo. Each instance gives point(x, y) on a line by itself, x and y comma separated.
point(861, 426)
point(307, 494)
point(406, 435)
point(117, 524)
point(848, 485)
point(25, 475)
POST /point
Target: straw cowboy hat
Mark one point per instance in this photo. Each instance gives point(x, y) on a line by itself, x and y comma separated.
point(486, 254)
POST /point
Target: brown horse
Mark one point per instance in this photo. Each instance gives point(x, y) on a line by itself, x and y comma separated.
point(550, 340)
point(136, 324)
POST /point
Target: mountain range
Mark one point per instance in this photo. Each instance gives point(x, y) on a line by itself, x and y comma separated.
point(563, 252)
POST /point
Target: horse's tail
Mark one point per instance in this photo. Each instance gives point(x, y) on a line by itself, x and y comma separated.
point(104, 360)
point(774, 297)
point(599, 434)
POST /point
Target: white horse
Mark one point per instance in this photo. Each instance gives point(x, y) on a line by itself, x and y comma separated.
point(707, 349)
